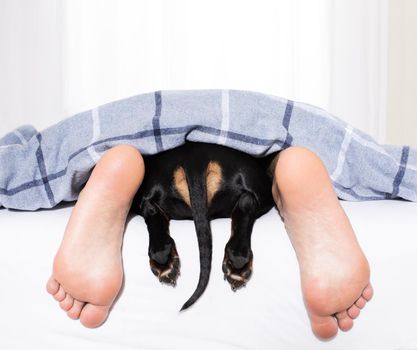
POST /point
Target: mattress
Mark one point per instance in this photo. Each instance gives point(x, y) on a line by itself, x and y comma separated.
point(267, 314)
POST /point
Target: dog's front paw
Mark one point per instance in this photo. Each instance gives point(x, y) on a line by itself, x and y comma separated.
point(169, 271)
point(237, 269)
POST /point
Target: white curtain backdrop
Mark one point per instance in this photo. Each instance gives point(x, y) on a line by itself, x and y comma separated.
point(331, 53)
point(30, 63)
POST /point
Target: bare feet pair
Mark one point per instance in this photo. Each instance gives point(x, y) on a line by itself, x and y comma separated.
point(87, 272)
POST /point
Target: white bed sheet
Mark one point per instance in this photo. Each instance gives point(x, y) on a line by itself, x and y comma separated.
point(268, 314)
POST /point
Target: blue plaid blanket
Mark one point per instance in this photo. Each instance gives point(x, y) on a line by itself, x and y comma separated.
point(41, 169)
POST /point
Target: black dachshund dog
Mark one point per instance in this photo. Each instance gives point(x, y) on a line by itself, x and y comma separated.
point(201, 182)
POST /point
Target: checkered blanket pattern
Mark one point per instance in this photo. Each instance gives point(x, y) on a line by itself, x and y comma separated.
point(42, 169)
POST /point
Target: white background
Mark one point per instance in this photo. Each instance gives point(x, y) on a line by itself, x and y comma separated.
point(60, 57)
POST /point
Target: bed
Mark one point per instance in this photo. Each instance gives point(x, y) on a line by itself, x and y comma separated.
point(267, 314)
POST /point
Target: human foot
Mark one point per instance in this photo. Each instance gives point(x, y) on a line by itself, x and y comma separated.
point(333, 269)
point(87, 271)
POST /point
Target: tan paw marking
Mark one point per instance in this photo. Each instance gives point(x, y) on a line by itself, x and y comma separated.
point(169, 272)
point(237, 278)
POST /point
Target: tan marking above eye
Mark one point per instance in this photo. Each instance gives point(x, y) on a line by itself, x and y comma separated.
point(213, 179)
point(181, 185)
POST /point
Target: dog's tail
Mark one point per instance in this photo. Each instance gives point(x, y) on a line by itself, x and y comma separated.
point(196, 179)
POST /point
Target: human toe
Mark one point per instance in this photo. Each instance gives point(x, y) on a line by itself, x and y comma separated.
point(75, 311)
point(344, 321)
point(52, 286)
point(93, 316)
point(60, 294)
point(368, 292)
point(323, 327)
point(361, 302)
point(354, 311)
point(67, 303)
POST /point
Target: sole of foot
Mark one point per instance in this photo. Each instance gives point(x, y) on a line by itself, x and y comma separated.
point(87, 270)
point(334, 272)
